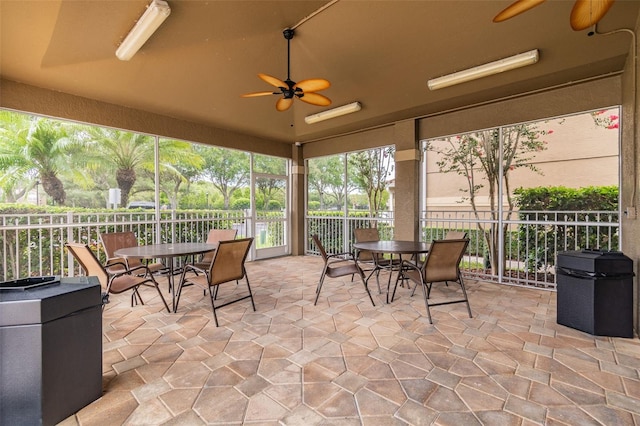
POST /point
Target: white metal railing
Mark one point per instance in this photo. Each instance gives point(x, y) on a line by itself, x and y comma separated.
point(33, 244)
point(532, 239)
point(336, 231)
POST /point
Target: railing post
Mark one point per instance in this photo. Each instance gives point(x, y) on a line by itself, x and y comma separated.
point(70, 268)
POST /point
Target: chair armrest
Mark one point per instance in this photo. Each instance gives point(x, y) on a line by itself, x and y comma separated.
point(135, 268)
point(342, 256)
point(408, 264)
point(194, 268)
point(129, 271)
point(116, 260)
point(114, 267)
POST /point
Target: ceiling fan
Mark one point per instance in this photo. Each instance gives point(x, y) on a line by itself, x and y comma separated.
point(585, 13)
point(303, 90)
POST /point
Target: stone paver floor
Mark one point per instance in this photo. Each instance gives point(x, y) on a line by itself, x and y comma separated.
point(345, 362)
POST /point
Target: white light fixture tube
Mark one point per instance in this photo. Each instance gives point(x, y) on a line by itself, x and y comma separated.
point(333, 113)
point(148, 23)
point(506, 64)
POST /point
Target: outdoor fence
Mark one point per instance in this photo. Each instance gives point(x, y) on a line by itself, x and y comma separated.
point(531, 241)
point(33, 244)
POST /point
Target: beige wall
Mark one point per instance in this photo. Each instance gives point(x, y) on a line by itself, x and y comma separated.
point(578, 153)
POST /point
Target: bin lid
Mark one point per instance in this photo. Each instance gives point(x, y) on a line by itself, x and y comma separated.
point(598, 262)
point(43, 303)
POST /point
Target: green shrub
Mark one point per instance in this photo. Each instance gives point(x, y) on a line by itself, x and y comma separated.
point(274, 205)
point(240, 204)
point(540, 242)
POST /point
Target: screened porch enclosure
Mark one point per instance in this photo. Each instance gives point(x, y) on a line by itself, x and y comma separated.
point(523, 193)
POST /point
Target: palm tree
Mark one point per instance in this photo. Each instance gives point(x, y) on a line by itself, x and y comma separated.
point(32, 149)
point(127, 151)
point(132, 156)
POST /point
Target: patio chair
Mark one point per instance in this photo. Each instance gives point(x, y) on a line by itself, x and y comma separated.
point(227, 265)
point(112, 241)
point(374, 262)
point(450, 235)
point(213, 237)
point(338, 265)
point(442, 264)
point(114, 283)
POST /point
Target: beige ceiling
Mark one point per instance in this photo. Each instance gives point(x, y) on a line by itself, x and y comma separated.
point(380, 53)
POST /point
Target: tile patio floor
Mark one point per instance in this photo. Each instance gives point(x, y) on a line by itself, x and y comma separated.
point(345, 362)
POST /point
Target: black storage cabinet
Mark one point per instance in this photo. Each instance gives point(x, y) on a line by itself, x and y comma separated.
point(50, 350)
point(595, 292)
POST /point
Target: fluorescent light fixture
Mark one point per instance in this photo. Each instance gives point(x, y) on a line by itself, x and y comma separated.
point(333, 113)
point(506, 64)
point(148, 23)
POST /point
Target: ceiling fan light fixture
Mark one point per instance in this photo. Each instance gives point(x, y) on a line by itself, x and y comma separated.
point(151, 19)
point(485, 70)
point(333, 113)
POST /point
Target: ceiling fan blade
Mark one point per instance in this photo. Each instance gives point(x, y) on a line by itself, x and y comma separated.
point(272, 80)
point(586, 13)
point(284, 104)
point(313, 84)
point(254, 94)
point(516, 8)
point(315, 99)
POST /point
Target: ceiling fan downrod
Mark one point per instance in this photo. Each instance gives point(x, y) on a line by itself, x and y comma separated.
point(288, 92)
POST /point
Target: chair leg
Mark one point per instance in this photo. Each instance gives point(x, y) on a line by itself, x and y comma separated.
point(389, 284)
point(179, 290)
point(426, 300)
point(212, 294)
point(366, 287)
point(155, 283)
point(466, 298)
point(377, 271)
point(250, 292)
point(396, 286)
point(324, 271)
point(135, 296)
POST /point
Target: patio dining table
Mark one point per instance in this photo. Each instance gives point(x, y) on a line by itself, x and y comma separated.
point(394, 247)
point(167, 251)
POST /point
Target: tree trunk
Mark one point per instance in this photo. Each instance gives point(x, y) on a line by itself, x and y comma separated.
point(53, 187)
point(125, 178)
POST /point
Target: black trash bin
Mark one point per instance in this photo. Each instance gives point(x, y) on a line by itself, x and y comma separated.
point(50, 348)
point(595, 292)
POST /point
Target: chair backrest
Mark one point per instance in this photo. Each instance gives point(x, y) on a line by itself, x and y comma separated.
point(455, 235)
point(323, 252)
point(228, 261)
point(89, 262)
point(214, 237)
point(364, 235)
point(112, 241)
point(443, 260)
